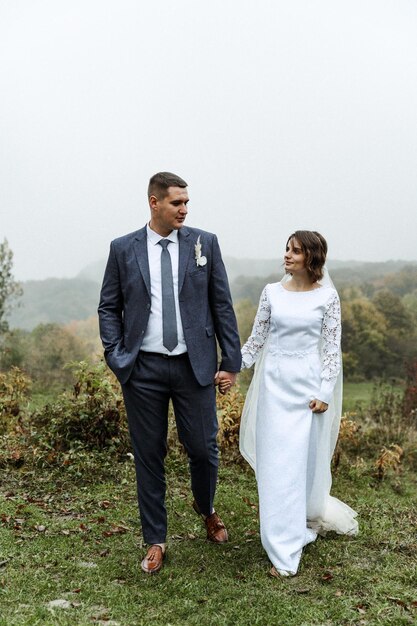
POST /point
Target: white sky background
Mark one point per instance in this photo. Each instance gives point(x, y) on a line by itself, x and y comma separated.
point(279, 114)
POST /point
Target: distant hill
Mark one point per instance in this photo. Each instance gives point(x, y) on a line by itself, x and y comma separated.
point(67, 299)
point(370, 276)
point(59, 300)
point(266, 267)
point(93, 271)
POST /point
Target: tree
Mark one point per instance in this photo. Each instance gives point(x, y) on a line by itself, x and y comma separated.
point(364, 343)
point(9, 289)
point(401, 339)
point(50, 348)
point(399, 319)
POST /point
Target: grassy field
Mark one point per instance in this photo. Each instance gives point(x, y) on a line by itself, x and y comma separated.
point(70, 549)
point(77, 541)
point(358, 395)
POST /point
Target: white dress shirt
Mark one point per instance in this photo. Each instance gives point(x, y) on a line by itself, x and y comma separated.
point(152, 341)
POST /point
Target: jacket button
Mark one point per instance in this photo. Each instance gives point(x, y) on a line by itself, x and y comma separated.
point(148, 306)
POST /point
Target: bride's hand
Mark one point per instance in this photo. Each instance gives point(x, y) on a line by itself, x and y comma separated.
point(317, 406)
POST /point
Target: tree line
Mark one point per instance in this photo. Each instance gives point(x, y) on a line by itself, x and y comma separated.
point(379, 317)
point(379, 320)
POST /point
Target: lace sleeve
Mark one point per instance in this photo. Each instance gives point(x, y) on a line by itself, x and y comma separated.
point(260, 330)
point(331, 332)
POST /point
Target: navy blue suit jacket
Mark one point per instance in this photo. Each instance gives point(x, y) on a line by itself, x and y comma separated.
point(204, 298)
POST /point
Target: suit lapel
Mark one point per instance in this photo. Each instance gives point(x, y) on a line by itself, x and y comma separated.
point(141, 251)
point(185, 247)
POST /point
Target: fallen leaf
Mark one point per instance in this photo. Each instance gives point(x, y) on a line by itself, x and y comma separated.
point(40, 528)
point(251, 504)
point(398, 601)
point(59, 604)
point(327, 577)
point(101, 614)
point(105, 552)
point(104, 504)
point(120, 529)
point(116, 529)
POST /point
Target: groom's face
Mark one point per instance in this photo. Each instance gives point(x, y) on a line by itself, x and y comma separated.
point(170, 212)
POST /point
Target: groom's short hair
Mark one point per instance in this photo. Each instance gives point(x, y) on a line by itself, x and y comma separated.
point(159, 183)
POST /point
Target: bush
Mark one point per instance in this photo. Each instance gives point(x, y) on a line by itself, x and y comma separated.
point(92, 417)
point(385, 423)
point(14, 389)
point(229, 411)
point(410, 393)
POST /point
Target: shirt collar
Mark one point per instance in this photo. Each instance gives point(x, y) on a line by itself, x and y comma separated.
point(154, 238)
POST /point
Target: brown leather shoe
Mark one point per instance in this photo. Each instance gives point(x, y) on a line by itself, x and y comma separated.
point(152, 563)
point(216, 530)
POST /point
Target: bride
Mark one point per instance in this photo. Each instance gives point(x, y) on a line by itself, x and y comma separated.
point(291, 417)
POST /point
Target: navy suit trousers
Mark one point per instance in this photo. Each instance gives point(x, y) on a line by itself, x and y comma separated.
point(155, 380)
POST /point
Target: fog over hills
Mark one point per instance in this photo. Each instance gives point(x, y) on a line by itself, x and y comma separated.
point(267, 267)
point(63, 300)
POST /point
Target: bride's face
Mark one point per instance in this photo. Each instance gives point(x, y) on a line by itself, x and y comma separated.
point(294, 258)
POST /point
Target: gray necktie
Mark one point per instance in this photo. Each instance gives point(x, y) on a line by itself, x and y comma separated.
point(169, 318)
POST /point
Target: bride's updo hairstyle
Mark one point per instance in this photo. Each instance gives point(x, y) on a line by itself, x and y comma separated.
point(314, 248)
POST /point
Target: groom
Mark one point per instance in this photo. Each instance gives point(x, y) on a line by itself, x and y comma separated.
point(165, 299)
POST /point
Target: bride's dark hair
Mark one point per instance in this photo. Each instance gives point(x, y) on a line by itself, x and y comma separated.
point(314, 247)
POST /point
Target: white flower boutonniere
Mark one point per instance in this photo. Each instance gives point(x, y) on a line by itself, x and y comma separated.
point(200, 260)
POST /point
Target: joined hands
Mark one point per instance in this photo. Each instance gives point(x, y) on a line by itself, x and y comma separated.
point(225, 380)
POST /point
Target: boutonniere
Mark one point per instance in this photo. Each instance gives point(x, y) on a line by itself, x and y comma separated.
point(200, 260)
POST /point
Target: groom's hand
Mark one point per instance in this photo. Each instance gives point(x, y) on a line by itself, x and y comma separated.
point(225, 380)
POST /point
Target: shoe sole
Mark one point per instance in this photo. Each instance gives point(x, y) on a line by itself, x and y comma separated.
point(150, 572)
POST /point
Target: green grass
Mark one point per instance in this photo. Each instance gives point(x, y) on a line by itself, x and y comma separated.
point(357, 396)
point(73, 534)
point(89, 553)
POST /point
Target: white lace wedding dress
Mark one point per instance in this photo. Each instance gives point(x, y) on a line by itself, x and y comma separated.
point(296, 343)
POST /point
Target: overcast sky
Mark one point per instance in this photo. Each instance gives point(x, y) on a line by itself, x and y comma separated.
point(279, 114)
